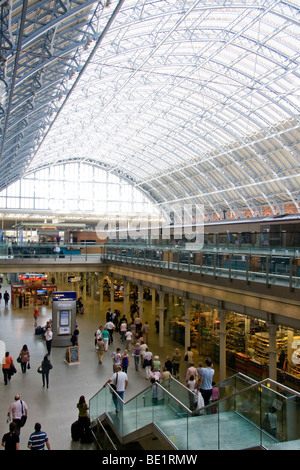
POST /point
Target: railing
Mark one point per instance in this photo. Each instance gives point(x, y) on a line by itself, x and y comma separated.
point(51, 251)
point(236, 421)
point(250, 265)
point(263, 268)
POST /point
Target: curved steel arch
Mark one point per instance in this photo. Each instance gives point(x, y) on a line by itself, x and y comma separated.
point(192, 101)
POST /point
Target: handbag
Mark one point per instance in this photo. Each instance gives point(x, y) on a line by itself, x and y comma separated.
point(28, 366)
point(40, 370)
point(114, 386)
point(23, 417)
point(19, 360)
point(200, 402)
point(12, 370)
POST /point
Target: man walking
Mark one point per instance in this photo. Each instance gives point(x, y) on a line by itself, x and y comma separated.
point(110, 328)
point(17, 410)
point(38, 439)
point(48, 338)
point(119, 380)
point(6, 298)
point(10, 440)
point(116, 359)
point(205, 381)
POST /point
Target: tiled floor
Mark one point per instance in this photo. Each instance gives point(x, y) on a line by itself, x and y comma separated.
point(55, 408)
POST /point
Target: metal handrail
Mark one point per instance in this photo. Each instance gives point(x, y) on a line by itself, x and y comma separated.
point(234, 394)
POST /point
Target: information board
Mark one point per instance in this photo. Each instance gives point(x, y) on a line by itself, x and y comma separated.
point(63, 317)
point(72, 355)
point(63, 296)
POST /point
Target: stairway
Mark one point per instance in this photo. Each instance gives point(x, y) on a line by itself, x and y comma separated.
point(225, 425)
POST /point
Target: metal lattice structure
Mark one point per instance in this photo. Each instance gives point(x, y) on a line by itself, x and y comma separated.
point(194, 102)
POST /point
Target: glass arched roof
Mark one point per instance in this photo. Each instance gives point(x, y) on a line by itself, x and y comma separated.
point(193, 102)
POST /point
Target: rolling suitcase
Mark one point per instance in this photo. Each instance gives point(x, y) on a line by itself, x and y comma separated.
point(75, 431)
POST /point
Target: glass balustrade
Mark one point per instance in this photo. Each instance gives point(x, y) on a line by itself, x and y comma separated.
point(41, 251)
point(264, 268)
point(248, 414)
point(268, 266)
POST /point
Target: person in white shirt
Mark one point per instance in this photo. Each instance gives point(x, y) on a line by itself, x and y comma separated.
point(99, 333)
point(120, 380)
point(48, 338)
point(148, 363)
point(17, 410)
point(123, 329)
point(128, 338)
point(110, 328)
point(143, 348)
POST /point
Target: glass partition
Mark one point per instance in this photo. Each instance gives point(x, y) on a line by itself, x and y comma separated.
point(172, 418)
point(248, 414)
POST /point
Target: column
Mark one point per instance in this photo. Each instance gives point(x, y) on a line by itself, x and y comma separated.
point(141, 300)
point(126, 297)
point(247, 333)
point(100, 288)
point(112, 294)
point(84, 287)
point(92, 280)
point(272, 350)
point(290, 336)
point(222, 333)
point(187, 315)
point(161, 318)
point(153, 293)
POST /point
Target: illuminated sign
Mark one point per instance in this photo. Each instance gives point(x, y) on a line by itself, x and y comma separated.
point(64, 296)
point(32, 277)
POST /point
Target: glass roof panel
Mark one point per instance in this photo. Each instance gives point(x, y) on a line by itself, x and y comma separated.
point(200, 95)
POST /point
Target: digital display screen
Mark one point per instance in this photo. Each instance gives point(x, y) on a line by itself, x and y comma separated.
point(41, 291)
point(64, 317)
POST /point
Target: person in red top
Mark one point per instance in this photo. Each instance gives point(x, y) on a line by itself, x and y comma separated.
point(6, 367)
point(35, 314)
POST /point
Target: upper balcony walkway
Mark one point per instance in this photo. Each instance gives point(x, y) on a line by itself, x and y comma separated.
point(259, 282)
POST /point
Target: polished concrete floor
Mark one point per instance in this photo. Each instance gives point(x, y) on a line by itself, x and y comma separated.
point(55, 407)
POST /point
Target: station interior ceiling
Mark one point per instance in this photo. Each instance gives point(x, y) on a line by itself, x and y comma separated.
point(193, 102)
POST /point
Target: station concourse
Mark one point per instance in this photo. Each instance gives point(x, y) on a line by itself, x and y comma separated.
point(55, 407)
point(155, 114)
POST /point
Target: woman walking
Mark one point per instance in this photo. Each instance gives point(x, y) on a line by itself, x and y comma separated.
point(7, 367)
point(24, 358)
point(46, 366)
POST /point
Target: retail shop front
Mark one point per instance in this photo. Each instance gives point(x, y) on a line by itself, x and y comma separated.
point(33, 290)
point(247, 342)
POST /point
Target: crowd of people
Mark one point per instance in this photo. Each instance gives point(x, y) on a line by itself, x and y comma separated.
point(135, 353)
point(17, 412)
point(135, 337)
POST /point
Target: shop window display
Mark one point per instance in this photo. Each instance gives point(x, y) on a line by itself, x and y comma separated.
point(247, 343)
